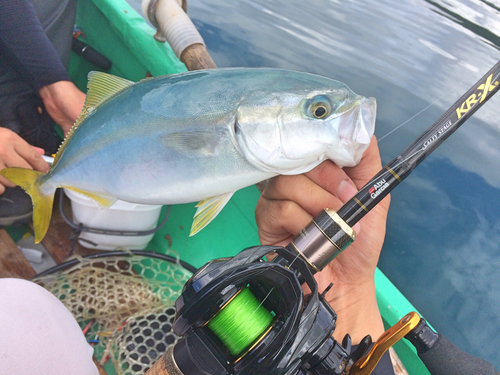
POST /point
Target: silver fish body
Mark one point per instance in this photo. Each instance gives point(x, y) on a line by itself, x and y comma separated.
point(187, 137)
point(200, 136)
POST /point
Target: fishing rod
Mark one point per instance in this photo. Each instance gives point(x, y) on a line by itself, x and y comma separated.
point(242, 315)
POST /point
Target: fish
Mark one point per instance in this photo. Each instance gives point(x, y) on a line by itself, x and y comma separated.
point(199, 136)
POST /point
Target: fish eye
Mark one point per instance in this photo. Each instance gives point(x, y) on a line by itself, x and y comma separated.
point(319, 107)
point(320, 111)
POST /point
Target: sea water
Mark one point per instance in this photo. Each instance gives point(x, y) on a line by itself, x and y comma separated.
point(442, 248)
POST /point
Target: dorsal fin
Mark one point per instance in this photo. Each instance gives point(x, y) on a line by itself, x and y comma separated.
point(101, 87)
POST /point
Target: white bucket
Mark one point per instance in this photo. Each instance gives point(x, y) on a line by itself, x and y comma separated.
point(121, 216)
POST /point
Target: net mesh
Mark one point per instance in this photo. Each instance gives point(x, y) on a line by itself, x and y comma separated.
point(125, 304)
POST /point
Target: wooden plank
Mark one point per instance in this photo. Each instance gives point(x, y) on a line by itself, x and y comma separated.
point(99, 368)
point(12, 261)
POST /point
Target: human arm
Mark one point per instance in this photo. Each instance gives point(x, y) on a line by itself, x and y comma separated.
point(24, 44)
point(288, 203)
point(27, 48)
point(16, 152)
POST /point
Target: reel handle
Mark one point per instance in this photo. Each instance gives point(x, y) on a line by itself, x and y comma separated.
point(366, 364)
point(438, 354)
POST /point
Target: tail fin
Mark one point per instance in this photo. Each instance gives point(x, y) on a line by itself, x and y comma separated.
point(29, 180)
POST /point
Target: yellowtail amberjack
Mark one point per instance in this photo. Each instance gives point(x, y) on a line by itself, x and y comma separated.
point(199, 136)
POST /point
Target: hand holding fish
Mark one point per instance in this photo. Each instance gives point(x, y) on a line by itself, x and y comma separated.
point(64, 102)
point(16, 152)
point(288, 204)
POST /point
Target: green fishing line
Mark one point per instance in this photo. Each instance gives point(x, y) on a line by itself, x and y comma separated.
point(241, 322)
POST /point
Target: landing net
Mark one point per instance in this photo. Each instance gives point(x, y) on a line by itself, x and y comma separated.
point(124, 304)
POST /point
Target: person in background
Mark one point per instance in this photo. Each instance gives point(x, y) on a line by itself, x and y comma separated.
point(289, 203)
point(35, 91)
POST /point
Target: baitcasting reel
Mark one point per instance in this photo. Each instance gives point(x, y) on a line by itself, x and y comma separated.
point(296, 339)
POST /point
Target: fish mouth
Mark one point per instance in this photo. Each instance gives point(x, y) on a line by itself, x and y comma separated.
point(355, 131)
point(358, 124)
point(365, 125)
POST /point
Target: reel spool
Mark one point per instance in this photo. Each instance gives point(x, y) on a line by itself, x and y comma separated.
point(243, 315)
point(241, 322)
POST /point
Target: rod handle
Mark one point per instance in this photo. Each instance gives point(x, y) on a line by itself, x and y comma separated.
point(91, 55)
point(165, 365)
point(441, 357)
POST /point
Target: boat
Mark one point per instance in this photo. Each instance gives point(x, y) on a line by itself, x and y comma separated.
point(116, 30)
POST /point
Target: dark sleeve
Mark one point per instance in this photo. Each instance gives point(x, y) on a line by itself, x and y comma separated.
point(23, 44)
point(384, 366)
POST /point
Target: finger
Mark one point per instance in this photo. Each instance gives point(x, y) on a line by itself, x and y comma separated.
point(2, 188)
point(279, 220)
point(31, 156)
point(334, 180)
point(302, 190)
point(39, 150)
point(329, 176)
point(13, 159)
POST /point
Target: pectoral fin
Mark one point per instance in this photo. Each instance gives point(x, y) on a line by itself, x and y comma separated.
point(194, 143)
point(207, 210)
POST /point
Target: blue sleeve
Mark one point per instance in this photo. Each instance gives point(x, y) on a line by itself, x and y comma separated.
point(24, 45)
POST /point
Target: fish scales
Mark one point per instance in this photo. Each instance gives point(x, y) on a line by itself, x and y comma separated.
point(192, 136)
